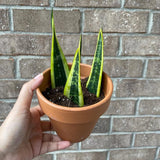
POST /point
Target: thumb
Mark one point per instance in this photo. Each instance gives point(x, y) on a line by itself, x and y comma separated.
point(26, 93)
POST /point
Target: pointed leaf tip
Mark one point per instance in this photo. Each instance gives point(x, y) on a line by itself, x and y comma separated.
point(59, 67)
point(95, 77)
point(73, 89)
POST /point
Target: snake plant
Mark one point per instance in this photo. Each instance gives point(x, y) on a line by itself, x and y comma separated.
point(73, 89)
point(94, 81)
point(70, 80)
point(59, 67)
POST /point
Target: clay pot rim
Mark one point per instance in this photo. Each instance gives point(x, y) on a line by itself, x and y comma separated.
point(104, 100)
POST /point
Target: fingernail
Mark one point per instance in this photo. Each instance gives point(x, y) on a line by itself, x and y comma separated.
point(39, 75)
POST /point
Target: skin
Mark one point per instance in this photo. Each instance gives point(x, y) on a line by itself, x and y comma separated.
point(22, 134)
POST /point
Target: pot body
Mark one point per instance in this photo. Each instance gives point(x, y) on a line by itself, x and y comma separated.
point(74, 124)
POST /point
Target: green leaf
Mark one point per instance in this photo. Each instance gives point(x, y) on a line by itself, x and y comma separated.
point(59, 67)
point(73, 89)
point(95, 78)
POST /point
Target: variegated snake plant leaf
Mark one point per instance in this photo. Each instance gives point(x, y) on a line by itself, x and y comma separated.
point(59, 67)
point(95, 78)
point(73, 89)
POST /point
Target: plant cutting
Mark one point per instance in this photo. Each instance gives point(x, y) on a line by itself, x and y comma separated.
point(59, 67)
point(73, 89)
point(75, 123)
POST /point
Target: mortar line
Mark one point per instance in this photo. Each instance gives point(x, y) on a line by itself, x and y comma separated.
point(8, 100)
point(111, 125)
point(137, 107)
point(17, 69)
point(86, 57)
point(150, 22)
point(131, 98)
point(77, 8)
point(121, 57)
point(84, 33)
point(157, 153)
point(79, 145)
point(82, 151)
point(25, 7)
point(122, 33)
point(108, 155)
point(54, 156)
point(82, 22)
point(145, 68)
point(121, 8)
point(24, 33)
point(11, 20)
point(120, 47)
point(114, 79)
point(31, 57)
point(103, 116)
point(136, 133)
point(122, 3)
point(51, 3)
point(126, 133)
point(116, 33)
point(136, 116)
point(133, 116)
point(136, 78)
point(133, 140)
point(103, 150)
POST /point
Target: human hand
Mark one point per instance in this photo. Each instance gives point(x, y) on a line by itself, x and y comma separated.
point(21, 134)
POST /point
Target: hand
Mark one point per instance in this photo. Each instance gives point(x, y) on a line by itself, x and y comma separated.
point(21, 134)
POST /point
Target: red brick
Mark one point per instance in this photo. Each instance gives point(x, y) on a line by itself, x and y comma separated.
point(40, 21)
point(4, 20)
point(10, 88)
point(141, 45)
point(156, 25)
point(147, 139)
point(29, 68)
point(106, 141)
point(115, 21)
point(121, 107)
point(25, 2)
point(5, 108)
point(44, 156)
point(149, 107)
point(149, 4)
point(123, 68)
point(133, 154)
point(102, 126)
point(87, 3)
point(82, 156)
point(16, 44)
point(136, 124)
point(89, 42)
point(7, 68)
point(137, 88)
point(153, 69)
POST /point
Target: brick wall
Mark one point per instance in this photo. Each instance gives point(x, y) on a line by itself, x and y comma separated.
point(130, 129)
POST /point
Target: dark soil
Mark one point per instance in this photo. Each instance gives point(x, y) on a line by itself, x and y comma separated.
point(56, 96)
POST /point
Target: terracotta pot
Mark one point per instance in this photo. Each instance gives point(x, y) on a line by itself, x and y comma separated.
point(74, 124)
